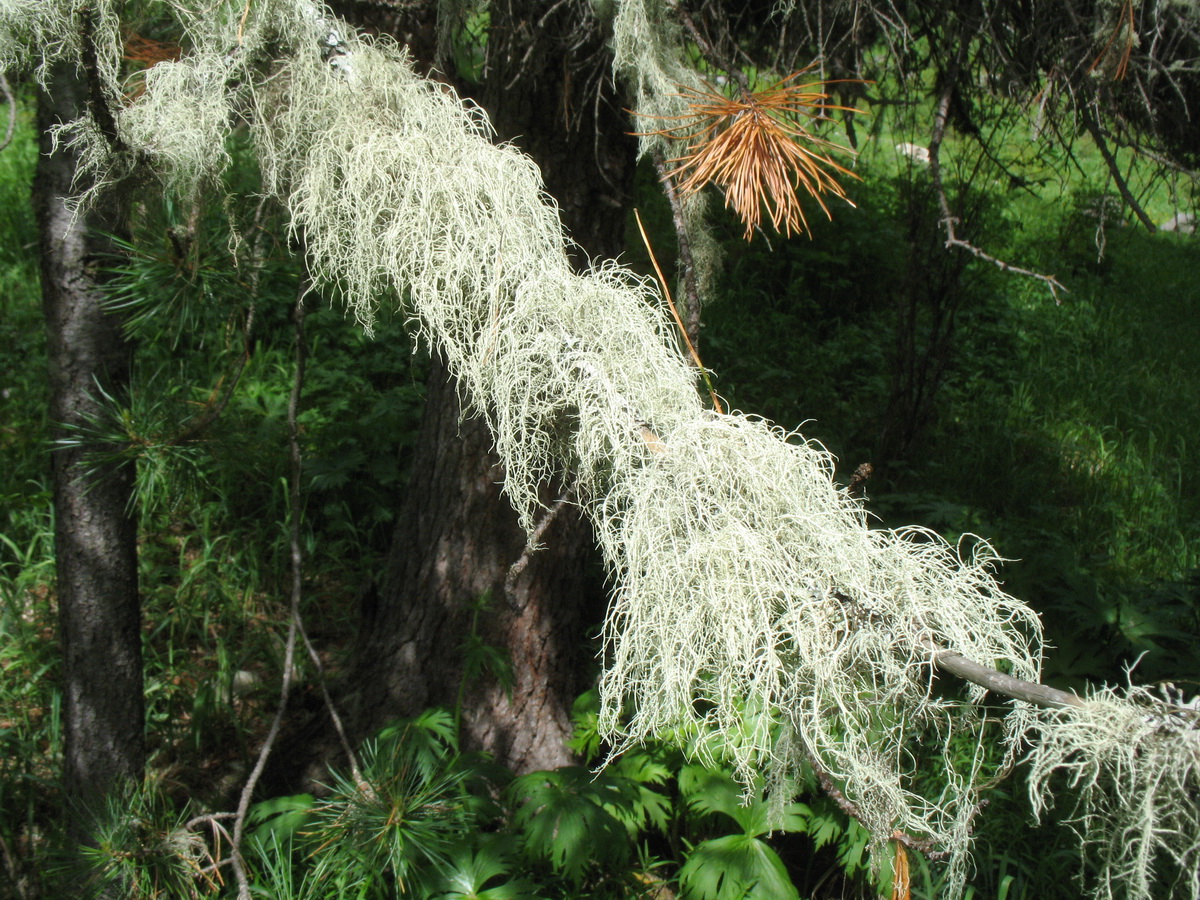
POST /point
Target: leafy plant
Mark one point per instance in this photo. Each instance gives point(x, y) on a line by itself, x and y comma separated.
point(138, 847)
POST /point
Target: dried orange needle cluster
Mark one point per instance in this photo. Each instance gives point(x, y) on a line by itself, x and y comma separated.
point(758, 150)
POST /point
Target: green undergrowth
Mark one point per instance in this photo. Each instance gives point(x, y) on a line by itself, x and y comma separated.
point(420, 818)
point(207, 429)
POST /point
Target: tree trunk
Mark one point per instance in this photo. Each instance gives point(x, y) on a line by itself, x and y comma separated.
point(457, 537)
point(95, 535)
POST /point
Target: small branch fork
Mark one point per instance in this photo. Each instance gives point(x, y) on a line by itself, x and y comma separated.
point(949, 220)
point(12, 111)
point(295, 624)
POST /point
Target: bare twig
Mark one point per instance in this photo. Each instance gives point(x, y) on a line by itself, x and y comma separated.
point(12, 111)
point(297, 590)
point(949, 220)
point(212, 819)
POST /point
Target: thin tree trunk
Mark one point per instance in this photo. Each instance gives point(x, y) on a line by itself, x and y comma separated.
point(95, 535)
point(457, 537)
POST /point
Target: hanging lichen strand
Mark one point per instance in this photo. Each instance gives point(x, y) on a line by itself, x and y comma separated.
point(752, 603)
point(1132, 763)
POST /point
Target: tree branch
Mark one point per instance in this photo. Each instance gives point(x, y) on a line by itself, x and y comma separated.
point(1093, 128)
point(949, 220)
point(12, 111)
point(954, 663)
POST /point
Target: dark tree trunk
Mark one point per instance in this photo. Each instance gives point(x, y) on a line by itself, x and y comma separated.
point(457, 536)
point(95, 536)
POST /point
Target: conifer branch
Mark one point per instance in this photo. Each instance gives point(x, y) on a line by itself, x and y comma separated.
point(759, 151)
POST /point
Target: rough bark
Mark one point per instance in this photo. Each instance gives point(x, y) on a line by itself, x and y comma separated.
point(457, 537)
point(95, 534)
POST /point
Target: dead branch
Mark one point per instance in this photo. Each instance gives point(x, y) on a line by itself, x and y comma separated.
point(954, 663)
point(949, 220)
point(1093, 128)
point(12, 111)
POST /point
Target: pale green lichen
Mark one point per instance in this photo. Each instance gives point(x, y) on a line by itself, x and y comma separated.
point(1131, 759)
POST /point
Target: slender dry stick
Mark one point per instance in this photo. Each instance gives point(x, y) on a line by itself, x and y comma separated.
point(242, 23)
point(12, 111)
point(687, 264)
point(297, 590)
point(949, 220)
point(674, 312)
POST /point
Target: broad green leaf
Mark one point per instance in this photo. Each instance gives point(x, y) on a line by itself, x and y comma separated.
point(735, 867)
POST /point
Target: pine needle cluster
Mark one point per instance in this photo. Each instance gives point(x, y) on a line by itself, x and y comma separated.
point(759, 150)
